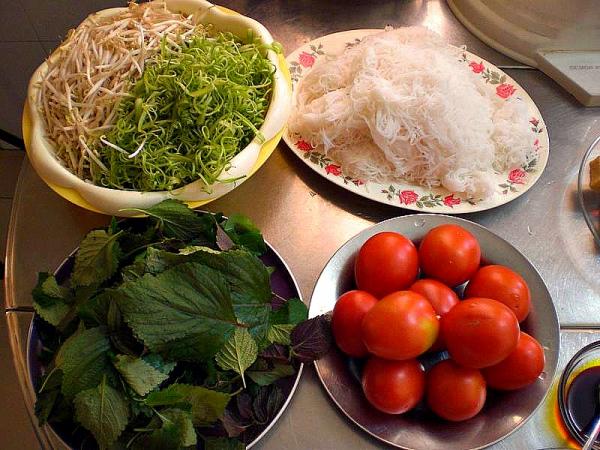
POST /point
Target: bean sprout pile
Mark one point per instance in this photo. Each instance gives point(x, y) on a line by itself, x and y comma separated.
point(93, 71)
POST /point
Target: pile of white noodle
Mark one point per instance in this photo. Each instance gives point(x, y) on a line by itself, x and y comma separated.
point(400, 106)
point(93, 70)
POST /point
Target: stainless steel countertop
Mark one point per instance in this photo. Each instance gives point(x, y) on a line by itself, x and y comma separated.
point(312, 421)
point(307, 218)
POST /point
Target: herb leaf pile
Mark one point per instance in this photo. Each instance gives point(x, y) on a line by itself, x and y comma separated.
point(167, 335)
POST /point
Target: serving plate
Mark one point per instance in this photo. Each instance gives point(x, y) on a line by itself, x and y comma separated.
point(420, 429)
point(283, 284)
point(509, 184)
point(114, 202)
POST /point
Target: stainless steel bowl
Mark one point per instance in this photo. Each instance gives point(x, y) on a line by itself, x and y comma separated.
point(420, 429)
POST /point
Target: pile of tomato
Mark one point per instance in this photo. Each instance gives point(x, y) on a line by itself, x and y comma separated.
point(406, 305)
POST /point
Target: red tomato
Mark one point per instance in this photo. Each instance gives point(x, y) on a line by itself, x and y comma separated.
point(454, 392)
point(386, 263)
point(504, 285)
point(401, 325)
point(449, 253)
point(393, 387)
point(480, 332)
point(441, 297)
point(521, 368)
point(348, 314)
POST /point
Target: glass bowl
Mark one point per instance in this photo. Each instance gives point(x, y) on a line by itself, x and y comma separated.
point(589, 200)
point(588, 356)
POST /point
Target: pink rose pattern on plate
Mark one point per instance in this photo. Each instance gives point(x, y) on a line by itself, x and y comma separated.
point(306, 59)
point(333, 169)
point(450, 200)
point(516, 177)
point(476, 68)
point(408, 197)
point(505, 90)
point(304, 146)
point(325, 163)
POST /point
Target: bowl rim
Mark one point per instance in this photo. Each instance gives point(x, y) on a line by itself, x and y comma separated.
point(563, 389)
point(47, 428)
point(550, 374)
point(41, 151)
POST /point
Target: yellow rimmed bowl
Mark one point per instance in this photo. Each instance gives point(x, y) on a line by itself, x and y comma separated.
point(41, 153)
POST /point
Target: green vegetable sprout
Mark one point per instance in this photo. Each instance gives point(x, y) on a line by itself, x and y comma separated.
point(196, 106)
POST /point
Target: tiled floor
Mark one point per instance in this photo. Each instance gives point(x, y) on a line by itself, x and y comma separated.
point(20, 53)
point(31, 29)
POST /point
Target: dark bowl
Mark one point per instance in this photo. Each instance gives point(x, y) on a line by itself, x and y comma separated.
point(283, 284)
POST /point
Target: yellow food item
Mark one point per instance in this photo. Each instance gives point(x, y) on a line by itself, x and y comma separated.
point(595, 174)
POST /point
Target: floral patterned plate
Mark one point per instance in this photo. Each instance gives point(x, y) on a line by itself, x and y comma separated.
point(510, 184)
